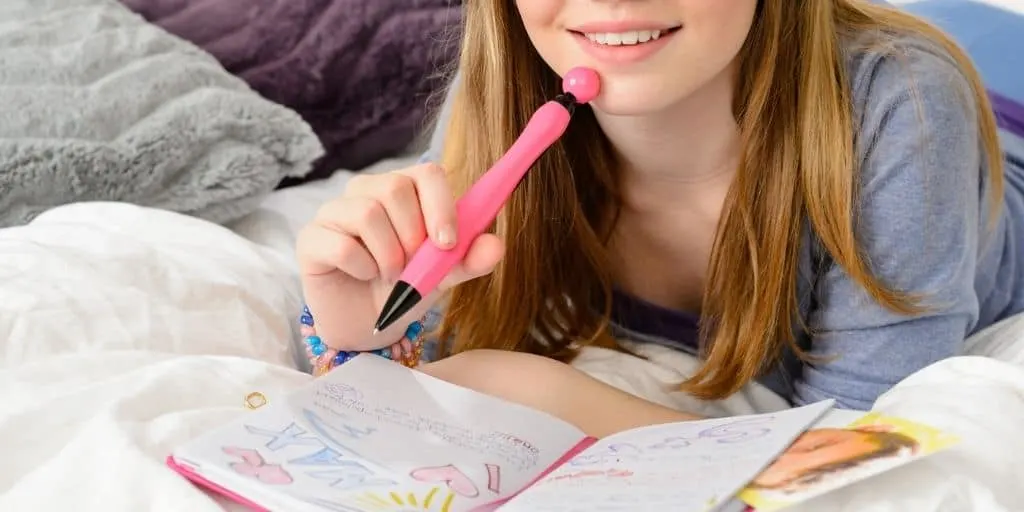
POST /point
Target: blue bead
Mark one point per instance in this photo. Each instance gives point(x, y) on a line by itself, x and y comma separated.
point(414, 330)
point(306, 319)
point(342, 357)
point(305, 310)
point(314, 341)
point(383, 352)
point(317, 349)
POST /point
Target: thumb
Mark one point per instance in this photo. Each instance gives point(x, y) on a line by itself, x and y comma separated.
point(481, 258)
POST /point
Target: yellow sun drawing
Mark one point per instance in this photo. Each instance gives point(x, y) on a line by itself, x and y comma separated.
point(434, 500)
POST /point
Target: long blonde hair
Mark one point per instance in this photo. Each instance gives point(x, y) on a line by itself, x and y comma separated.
point(794, 108)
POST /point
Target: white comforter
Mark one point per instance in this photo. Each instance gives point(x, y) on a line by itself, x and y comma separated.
point(128, 331)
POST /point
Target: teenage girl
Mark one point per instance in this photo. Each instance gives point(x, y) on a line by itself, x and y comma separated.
point(807, 193)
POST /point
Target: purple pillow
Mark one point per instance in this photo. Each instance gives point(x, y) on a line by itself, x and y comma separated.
point(360, 72)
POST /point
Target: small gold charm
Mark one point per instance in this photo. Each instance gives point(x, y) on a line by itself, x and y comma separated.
point(255, 400)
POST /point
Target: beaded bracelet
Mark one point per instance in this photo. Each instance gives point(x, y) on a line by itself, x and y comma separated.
point(323, 359)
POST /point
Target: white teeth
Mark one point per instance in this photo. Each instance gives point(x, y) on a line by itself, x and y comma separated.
point(623, 38)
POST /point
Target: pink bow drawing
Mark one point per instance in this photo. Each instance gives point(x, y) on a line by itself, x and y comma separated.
point(449, 475)
point(253, 465)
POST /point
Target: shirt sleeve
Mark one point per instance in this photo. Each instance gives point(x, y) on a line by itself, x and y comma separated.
point(918, 222)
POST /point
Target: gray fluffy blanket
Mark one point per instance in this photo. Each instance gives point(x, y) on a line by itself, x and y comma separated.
point(96, 104)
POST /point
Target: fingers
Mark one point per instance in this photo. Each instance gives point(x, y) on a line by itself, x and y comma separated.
point(365, 222)
point(483, 255)
point(397, 193)
point(323, 250)
point(382, 220)
point(436, 201)
point(481, 258)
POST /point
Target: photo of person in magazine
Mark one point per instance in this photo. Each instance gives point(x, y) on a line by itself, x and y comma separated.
point(824, 459)
point(824, 456)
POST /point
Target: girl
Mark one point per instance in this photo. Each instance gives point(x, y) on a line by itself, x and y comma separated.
point(807, 193)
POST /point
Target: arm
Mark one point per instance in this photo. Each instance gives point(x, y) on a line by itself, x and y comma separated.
point(918, 224)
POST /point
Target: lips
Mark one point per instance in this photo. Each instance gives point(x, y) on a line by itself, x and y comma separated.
point(612, 44)
point(623, 26)
point(623, 38)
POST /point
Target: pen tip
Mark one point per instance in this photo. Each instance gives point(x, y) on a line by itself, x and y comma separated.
point(375, 331)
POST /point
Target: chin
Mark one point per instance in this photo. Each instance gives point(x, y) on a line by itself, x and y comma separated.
point(639, 95)
point(636, 106)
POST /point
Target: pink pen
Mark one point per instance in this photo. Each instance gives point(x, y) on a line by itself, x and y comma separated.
point(480, 205)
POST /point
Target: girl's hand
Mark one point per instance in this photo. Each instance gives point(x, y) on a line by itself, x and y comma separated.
point(353, 252)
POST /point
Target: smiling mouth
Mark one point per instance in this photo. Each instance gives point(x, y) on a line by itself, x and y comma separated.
point(626, 38)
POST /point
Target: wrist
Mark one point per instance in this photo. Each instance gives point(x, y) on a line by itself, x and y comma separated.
point(405, 350)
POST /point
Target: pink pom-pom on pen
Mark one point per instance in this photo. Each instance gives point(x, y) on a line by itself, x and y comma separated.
point(582, 83)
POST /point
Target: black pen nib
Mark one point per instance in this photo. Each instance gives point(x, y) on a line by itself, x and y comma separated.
point(403, 298)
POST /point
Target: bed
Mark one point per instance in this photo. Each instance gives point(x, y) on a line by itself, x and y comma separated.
point(121, 344)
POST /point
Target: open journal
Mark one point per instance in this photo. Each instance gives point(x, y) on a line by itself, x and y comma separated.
point(374, 436)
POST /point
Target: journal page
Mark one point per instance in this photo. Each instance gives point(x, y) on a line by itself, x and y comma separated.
point(373, 435)
point(684, 467)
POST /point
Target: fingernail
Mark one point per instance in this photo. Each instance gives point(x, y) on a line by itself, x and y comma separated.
point(446, 236)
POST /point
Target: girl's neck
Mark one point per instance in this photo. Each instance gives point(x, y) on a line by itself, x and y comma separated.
point(689, 149)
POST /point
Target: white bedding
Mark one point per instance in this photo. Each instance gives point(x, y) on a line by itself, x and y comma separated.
point(130, 330)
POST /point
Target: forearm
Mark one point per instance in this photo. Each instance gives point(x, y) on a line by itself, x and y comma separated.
point(556, 388)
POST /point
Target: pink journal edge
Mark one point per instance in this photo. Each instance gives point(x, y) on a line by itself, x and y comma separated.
point(203, 482)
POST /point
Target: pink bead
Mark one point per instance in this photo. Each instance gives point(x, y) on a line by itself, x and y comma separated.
point(307, 331)
point(583, 83)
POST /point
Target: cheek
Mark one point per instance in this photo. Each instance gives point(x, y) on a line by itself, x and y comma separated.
point(541, 20)
point(721, 26)
point(537, 14)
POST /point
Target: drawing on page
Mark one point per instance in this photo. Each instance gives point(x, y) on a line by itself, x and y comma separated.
point(325, 456)
point(253, 465)
point(449, 475)
point(342, 392)
point(671, 443)
point(616, 452)
point(335, 428)
point(743, 430)
point(585, 473)
point(292, 435)
point(349, 475)
point(733, 432)
point(436, 499)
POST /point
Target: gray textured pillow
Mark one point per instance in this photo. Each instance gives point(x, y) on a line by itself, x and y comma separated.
point(96, 104)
